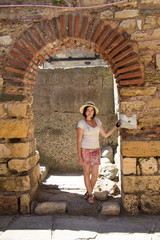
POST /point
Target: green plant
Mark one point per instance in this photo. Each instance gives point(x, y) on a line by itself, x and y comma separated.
point(57, 2)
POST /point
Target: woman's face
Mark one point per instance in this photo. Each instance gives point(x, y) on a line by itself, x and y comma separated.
point(89, 112)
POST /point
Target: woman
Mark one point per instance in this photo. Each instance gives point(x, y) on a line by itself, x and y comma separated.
point(89, 152)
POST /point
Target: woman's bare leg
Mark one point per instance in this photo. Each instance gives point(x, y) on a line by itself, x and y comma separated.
point(87, 180)
point(94, 175)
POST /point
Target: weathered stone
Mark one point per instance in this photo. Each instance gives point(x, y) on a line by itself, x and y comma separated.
point(110, 208)
point(151, 44)
point(128, 122)
point(137, 91)
point(3, 112)
point(107, 152)
point(35, 174)
point(149, 22)
point(16, 109)
point(149, 120)
point(150, 1)
point(104, 161)
point(158, 20)
point(3, 169)
point(139, 36)
point(148, 166)
point(140, 148)
point(104, 184)
point(136, 184)
point(128, 24)
point(132, 106)
point(21, 165)
point(127, 13)
point(14, 150)
point(43, 171)
point(82, 207)
point(159, 165)
point(18, 183)
point(150, 204)
point(5, 40)
point(158, 61)
point(146, 58)
point(154, 103)
point(14, 128)
point(84, 3)
point(106, 14)
point(139, 24)
point(50, 208)
point(109, 171)
point(8, 205)
point(101, 195)
point(25, 203)
point(130, 203)
point(129, 166)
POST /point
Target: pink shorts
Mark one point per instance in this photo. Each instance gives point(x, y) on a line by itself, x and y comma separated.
point(91, 156)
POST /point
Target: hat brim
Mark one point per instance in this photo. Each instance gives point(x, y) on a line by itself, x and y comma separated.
point(88, 105)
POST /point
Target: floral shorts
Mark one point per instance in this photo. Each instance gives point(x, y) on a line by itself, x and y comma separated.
point(91, 156)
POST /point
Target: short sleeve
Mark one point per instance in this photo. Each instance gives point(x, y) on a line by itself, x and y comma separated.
point(80, 124)
point(99, 123)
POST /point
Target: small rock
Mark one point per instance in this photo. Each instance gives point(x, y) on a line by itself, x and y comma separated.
point(107, 152)
point(109, 171)
point(104, 161)
point(101, 195)
point(110, 208)
point(50, 208)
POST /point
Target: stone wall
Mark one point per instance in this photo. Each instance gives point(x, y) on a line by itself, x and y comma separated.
point(127, 36)
point(57, 97)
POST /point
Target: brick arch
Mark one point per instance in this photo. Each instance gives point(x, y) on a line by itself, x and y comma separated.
point(43, 39)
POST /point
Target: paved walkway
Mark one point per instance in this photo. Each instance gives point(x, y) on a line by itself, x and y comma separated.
point(64, 227)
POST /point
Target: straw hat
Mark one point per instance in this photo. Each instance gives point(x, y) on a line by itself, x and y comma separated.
point(89, 104)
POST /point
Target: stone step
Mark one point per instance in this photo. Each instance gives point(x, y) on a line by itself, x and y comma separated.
point(63, 193)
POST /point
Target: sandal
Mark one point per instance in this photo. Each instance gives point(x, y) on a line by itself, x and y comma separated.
point(86, 196)
point(91, 199)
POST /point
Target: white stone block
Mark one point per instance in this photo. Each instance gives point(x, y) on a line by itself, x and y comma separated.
point(128, 122)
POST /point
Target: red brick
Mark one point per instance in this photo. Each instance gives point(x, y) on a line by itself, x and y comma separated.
point(70, 26)
point(17, 63)
point(13, 83)
point(77, 26)
point(116, 42)
point(16, 55)
point(84, 27)
point(90, 29)
point(49, 31)
point(27, 45)
point(127, 69)
point(55, 27)
point(117, 50)
point(122, 55)
point(32, 41)
point(97, 31)
point(104, 35)
point(63, 27)
point(122, 63)
point(108, 40)
point(128, 75)
point(37, 37)
point(138, 81)
point(24, 51)
point(14, 70)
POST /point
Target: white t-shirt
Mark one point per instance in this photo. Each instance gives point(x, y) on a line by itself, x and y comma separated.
point(90, 137)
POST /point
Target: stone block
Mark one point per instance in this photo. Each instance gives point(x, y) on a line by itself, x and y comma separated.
point(154, 103)
point(128, 122)
point(107, 152)
point(137, 91)
point(127, 13)
point(35, 175)
point(137, 184)
point(158, 61)
point(3, 112)
point(139, 24)
point(131, 106)
point(150, 44)
point(101, 195)
point(130, 203)
point(16, 183)
point(139, 36)
point(128, 166)
point(14, 150)
point(14, 128)
point(140, 148)
point(3, 169)
point(110, 208)
point(128, 24)
point(106, 14)
point(149, 22)
point(25, 203)
point(5, 40)
point(150, 204)
point(16, 109)
point(149, 120)
point(148, 166)
point(50, 208)
point(21, 165)
point(84, 3)
point(8, 205)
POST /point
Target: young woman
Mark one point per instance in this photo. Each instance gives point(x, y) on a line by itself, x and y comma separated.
point(89, 152)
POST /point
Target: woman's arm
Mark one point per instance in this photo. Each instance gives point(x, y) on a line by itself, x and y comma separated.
point(79, 141)
point(107, 134)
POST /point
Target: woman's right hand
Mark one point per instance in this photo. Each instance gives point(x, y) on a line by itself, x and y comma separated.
point(80, 160)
